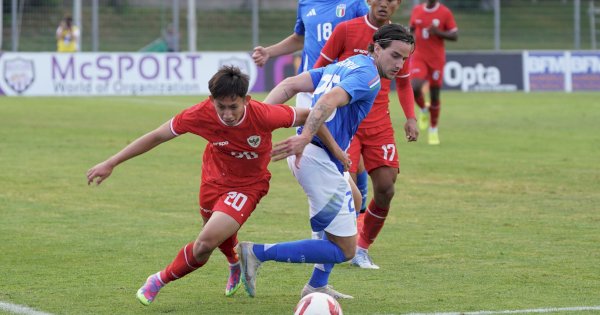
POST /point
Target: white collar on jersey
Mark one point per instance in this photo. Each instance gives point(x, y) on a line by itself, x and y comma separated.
point(239, 122)
point(437, 5)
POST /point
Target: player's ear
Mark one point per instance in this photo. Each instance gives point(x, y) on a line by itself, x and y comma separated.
point(212, 99)
point(247, 99)
point(377, 49)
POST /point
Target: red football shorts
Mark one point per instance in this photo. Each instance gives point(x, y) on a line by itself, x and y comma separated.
point(423, 70)
point(377, 146)
point(238, 202)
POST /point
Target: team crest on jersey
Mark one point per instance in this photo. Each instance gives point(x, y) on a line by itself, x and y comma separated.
point(340, 11)
point(254, 141)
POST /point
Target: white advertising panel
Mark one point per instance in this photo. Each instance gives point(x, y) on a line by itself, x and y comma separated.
point(96, 74)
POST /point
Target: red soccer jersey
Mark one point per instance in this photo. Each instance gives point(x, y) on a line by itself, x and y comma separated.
point(353, 37)
point(235, 155)
point(430, 47)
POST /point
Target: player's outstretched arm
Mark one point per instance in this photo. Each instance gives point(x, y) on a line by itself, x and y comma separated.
point(141, 145)
point(407, 101)
point(290, 87)
point(288, 45)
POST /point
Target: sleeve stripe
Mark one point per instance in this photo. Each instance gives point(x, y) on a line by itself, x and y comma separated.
point(172, 129)
point(324, 56)
point(374, 84)
point(295, 116)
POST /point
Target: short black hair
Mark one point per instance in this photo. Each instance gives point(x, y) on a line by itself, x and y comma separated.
point(389, 32)
point(229, 81)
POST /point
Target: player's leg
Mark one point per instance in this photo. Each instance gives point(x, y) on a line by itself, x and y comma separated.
point(435, 84)
point(192, 256)
point(332, 207)
point(418, 74)
point(381, 159)
point(184, 262)
point(228, 249)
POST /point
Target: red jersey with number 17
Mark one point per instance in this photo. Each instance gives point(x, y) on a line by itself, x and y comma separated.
point(353, 37)
point(235, 155)
point(430, 47)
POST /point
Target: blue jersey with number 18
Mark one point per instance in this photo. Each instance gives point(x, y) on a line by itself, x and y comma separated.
point(359, 77)
point(316, 19)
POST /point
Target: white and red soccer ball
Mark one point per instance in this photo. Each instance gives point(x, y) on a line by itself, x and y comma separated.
point(318, 304)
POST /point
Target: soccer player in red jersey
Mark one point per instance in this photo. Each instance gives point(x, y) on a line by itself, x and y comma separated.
point(234, 169)
point(432, 23)
point(374, 139)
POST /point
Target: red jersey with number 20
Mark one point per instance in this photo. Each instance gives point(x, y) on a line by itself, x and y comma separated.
point(430, 47)
point(235, 155)
point(351, 38)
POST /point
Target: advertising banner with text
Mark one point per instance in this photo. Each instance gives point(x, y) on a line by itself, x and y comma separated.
point(562, 70)
point(481, 71)
point(91, 74)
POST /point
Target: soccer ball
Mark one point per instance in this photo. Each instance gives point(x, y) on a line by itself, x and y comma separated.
point(318, 304)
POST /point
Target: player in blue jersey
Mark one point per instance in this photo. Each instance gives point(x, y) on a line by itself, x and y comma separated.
point(315, 21)
point(343, 95)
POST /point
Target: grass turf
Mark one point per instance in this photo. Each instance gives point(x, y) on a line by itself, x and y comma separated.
point(502, 215)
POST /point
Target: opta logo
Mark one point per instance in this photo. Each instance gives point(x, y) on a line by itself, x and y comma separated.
point(19, 74)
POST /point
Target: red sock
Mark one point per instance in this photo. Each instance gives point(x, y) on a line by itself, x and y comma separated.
point(373, 223)
point(228, 249)
point(183, 264)
point(420, 100)
point(434, 110)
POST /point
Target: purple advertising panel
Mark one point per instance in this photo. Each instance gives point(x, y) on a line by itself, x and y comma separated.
point(545, 71)
point(585, 71)
point(480, 71)
point(273, 72)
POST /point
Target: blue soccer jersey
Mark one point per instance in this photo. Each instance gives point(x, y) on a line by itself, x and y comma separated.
point(316, 19)
point(358, 76)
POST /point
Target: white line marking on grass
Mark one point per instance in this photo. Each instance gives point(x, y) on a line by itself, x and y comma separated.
point(534, 310)
point(19, 309)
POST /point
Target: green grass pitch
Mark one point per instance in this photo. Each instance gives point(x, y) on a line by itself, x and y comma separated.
point(503, 215)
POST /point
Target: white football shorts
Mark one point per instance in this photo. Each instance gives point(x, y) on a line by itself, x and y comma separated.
point(304, 100)
point(329, 194)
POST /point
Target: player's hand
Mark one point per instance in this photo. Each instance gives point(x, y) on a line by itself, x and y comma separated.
point(260, 56)
point(434, 30)
point(411, 130)
point(344, 158)
point(99, 173)
point(293, 145)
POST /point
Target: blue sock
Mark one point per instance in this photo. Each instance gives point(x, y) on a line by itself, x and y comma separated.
point(304, 251)
point(362, 182)
point(320, 275)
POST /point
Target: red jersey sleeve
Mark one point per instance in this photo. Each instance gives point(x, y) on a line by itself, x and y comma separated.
point(450, 22)
point(187, 119)
point(277, 116)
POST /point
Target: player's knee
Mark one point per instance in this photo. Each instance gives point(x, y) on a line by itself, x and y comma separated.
point(349, 249)
point(203, 247)
point(349, 253)
point(384, 192)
